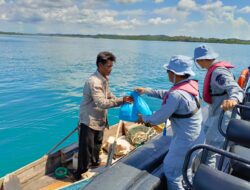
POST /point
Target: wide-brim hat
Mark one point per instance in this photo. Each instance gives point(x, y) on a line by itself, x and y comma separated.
point(204, 52)
point(180, 65)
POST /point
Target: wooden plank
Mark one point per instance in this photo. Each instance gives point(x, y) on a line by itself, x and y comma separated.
point(38, 170)
point(43, 182)
point(32, 164)
point(29, 171)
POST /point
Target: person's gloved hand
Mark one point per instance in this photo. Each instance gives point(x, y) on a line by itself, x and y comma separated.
point(127, 99)
point(228, 104)
point(140, 90)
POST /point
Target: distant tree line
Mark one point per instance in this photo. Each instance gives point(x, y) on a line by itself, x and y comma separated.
point(144, 37)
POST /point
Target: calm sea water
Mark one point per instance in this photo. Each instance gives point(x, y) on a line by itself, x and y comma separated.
point(41, 80)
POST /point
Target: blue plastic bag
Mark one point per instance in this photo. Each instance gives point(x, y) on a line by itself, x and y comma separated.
point(140, 105)
point(129, 112)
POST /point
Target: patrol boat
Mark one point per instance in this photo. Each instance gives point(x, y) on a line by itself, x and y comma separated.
point(143, 168)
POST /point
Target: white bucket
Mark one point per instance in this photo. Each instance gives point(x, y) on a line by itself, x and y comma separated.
point(75, 161)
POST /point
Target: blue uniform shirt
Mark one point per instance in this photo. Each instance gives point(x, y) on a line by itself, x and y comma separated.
point(179, 102)
point(222, 80)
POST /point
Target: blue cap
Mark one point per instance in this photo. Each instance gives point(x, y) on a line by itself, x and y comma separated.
point(204, 52)
point(180, 65)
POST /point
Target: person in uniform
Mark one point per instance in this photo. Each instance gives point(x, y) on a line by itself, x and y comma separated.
point(97, 98)
point(220, 91)
point(182, 107)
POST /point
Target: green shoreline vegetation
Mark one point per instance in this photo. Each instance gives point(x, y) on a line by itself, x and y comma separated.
point(142, 37)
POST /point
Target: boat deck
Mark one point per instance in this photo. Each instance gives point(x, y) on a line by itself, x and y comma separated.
point(49, 182)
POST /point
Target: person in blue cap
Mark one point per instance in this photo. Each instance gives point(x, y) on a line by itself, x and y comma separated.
point(182, 107)
point(220, 92)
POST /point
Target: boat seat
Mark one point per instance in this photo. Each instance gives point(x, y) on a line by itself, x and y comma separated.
point(207, 178)
point(240, 169)
point(238, 131)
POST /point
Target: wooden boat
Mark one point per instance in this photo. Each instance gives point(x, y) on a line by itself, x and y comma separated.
point(40, 173)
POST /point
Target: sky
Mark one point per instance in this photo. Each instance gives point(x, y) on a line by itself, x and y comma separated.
point(196, 18)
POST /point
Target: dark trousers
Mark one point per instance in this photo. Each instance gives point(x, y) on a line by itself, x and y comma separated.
point(90, 142)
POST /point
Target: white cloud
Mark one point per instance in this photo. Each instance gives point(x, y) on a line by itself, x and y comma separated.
point(2, 17)
point(212, 19)
point(128, 1)
point(218, 21)
point(172, 12)
point(106, 18)
point(158, 1)
point(31, 11)
point(245, 10)
point(2, 2)
point(216, 11)
point(122, 24)
point(93, 4)
point(135, 12)
point(159, 20)
point(187, 4)
point(45, 3)
point(212, 6)
point(68, 11)
point(125, 24)
point(105, 13)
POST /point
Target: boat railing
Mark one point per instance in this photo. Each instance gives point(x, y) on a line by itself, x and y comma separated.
point(205, 149)
point(64, 139)
point(234, 112)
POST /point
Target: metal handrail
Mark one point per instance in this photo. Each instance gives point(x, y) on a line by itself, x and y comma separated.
point(225, 145)
point(240, 106)
point(220, 124)
point(207, 148)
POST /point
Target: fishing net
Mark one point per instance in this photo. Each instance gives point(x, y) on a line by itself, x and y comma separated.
point(140, 134)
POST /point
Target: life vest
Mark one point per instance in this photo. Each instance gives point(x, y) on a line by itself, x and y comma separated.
point(243, 78)
point(207, 96)
point(191, 87)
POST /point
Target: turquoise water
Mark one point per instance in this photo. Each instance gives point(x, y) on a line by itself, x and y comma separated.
point(41, 80)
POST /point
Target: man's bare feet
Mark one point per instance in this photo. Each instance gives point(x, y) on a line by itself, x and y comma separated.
point(88, 174)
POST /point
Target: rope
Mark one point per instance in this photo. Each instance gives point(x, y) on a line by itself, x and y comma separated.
point(141, 137)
